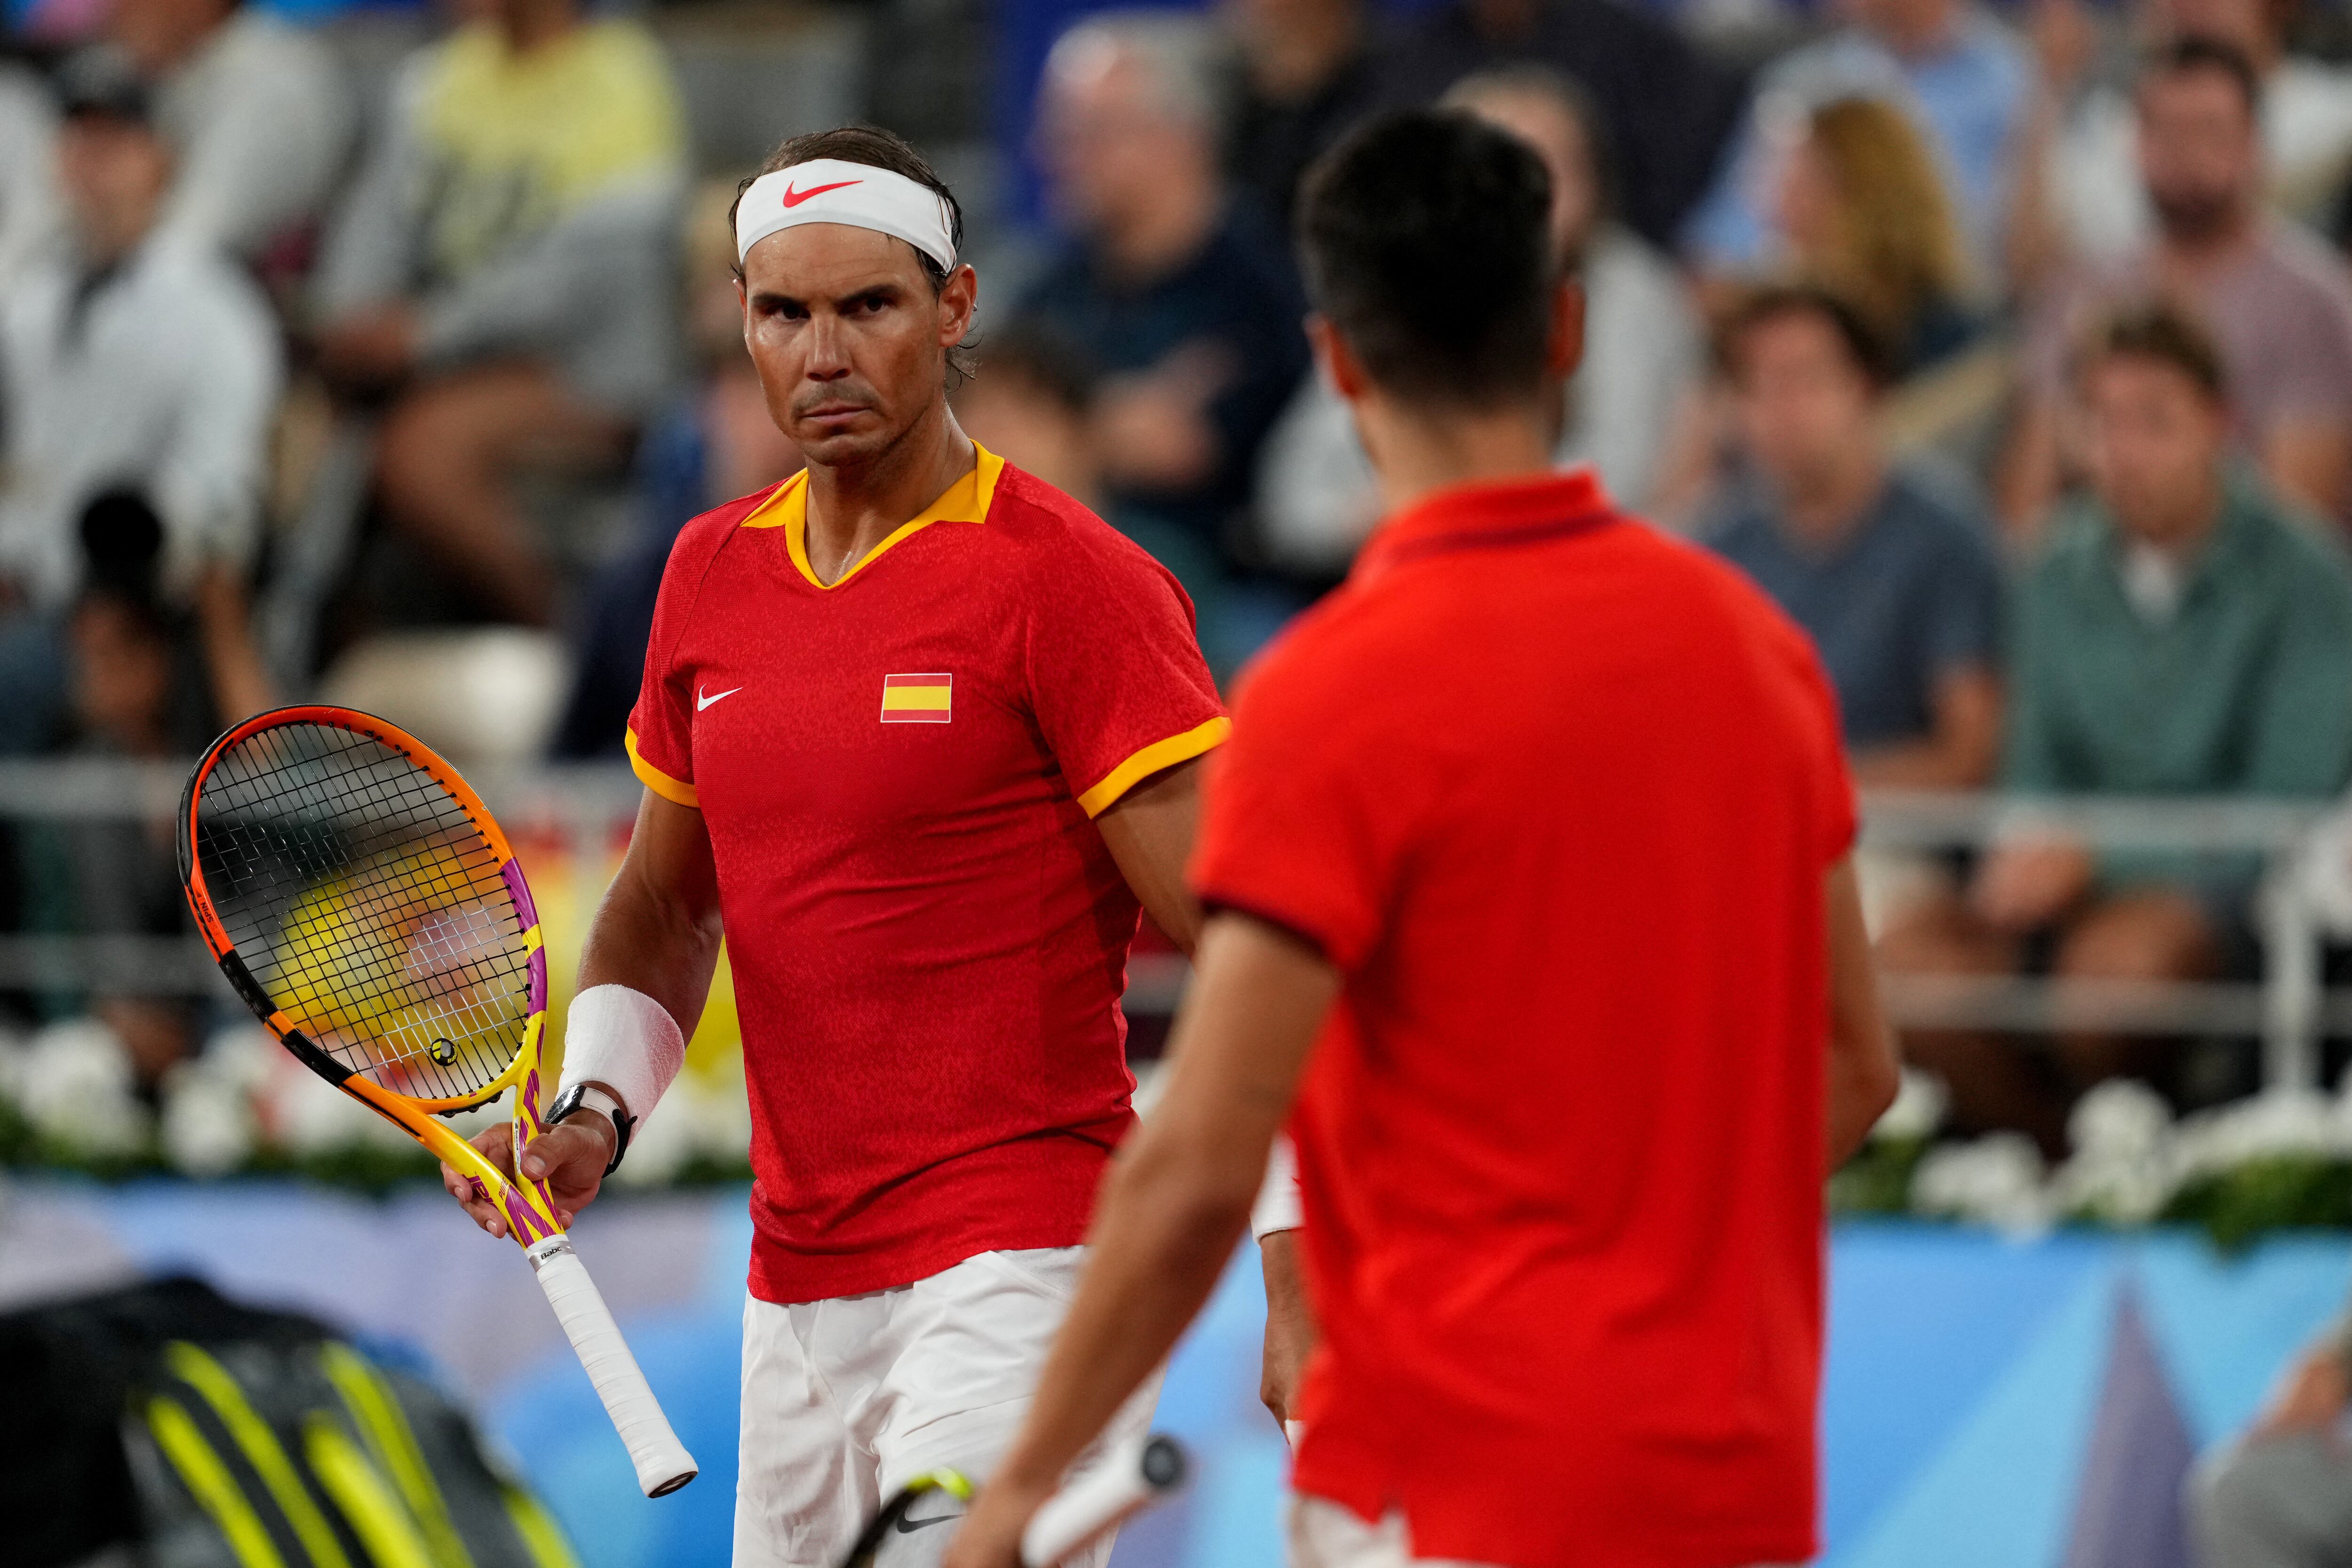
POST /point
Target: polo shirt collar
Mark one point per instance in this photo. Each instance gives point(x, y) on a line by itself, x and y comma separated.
point(1488, 515)
point(2232, 534)
point(966, 501)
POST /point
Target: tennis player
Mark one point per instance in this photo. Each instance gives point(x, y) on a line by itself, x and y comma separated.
point(918, 733)
point(1528, 874)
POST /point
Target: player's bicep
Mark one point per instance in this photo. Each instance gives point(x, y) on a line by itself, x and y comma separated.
point(1149, 831)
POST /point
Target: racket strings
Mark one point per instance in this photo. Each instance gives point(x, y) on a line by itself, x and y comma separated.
point(368, 905)
point(399, 889)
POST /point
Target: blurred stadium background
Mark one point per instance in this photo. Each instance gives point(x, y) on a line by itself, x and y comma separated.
point(375, 351)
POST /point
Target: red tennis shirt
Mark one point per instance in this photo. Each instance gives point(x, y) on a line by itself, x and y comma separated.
point(1557, 795)
point(929, 937)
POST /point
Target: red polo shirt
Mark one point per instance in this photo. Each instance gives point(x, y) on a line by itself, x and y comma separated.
point(899, 772)
point(1557, 795)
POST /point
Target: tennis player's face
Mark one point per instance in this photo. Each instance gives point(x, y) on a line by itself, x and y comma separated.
point(850, 340)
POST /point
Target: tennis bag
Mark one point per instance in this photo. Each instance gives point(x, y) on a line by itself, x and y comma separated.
point(167, 1427)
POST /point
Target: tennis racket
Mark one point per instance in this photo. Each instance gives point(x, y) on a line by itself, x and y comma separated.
point(360, 898)
point(1138, 1473)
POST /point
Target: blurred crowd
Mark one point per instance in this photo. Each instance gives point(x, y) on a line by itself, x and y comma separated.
point(2010, 350)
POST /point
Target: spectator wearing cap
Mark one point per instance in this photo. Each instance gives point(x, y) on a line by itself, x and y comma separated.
point(2184, 633)
point(257, 111)
point(1633, 393)
point(1183, 303)
point(2276, 301)
point(135, 365)
point(1899, 591)
point(502, 282)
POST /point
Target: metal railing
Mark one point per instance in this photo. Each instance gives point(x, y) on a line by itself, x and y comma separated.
point(2287, 1009)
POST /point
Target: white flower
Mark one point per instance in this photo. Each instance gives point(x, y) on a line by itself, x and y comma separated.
point(208, 1122)
point(2119, 1189)
point(2121, 1119)
point(1996, 1179)
point(1919, 1108)
point(246, 1055)
point(74, 1083)
point(2276, 1121)
point(310, 1116)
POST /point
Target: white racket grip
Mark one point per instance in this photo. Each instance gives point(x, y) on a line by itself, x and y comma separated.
point(1138, 1473)
point(663, 1464)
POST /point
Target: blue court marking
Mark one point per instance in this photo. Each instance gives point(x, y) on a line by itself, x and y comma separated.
point(2224, 1326)
point(2002, 1492)
point(1924, 1321)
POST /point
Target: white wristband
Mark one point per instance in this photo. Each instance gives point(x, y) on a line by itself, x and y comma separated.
point(625, 1040)
point(1277, 1206)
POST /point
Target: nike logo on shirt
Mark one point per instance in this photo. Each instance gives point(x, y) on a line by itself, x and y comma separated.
point(793, 198)
point(701, 701)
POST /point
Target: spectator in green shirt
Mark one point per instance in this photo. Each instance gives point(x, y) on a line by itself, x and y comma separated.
point(2183, 634)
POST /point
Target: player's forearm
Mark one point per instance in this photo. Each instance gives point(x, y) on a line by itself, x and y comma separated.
point(1162, 1238)
point(658, 930)
point(1179, 1197)
point(654, 946)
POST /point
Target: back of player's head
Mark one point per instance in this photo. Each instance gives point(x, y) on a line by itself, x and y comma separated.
point(1425, 236)
point(877, 149)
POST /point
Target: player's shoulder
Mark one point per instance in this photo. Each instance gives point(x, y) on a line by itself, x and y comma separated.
point(703, 537)
point(1058, 539)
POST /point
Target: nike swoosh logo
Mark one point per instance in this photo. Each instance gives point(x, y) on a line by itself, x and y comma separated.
point(793, 198)
point(908, 1526)
point(700, 701)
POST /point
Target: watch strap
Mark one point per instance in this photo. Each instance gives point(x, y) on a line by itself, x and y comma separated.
point(596, 1097)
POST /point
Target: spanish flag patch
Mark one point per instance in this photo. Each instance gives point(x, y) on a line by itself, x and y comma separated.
point(917, 699)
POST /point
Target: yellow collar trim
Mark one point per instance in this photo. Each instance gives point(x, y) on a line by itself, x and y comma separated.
point(966, 501)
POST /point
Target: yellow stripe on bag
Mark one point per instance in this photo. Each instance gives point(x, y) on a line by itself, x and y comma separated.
point(210, 1484)
point(539, 1534)
point(375, 1411)
point(366, 1501)
point(261, 1449)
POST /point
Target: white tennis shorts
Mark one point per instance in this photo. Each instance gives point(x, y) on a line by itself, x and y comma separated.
point(1325, 1534)
point(844, 1400)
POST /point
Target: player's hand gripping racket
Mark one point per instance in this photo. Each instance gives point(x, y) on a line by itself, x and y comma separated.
point(1136, 1474)
point(360, 900)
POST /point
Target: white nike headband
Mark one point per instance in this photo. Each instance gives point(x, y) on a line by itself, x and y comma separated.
point(828, 190)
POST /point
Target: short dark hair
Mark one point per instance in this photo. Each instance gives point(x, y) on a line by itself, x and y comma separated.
point(2179, 57)
point(2153, 330)
point(1426, 240)
point(1774, 301)
point(877, 148)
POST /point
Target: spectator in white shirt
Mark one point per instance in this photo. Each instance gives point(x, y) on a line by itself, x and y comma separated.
point(1628, 402)
point(257, 111)
point(134, 363)
point(28, 194)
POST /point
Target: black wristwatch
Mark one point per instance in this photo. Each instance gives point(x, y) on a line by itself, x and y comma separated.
point(577, 1096)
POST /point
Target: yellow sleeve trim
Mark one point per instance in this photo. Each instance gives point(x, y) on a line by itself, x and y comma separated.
point(660, 782)
point(1159, 755)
